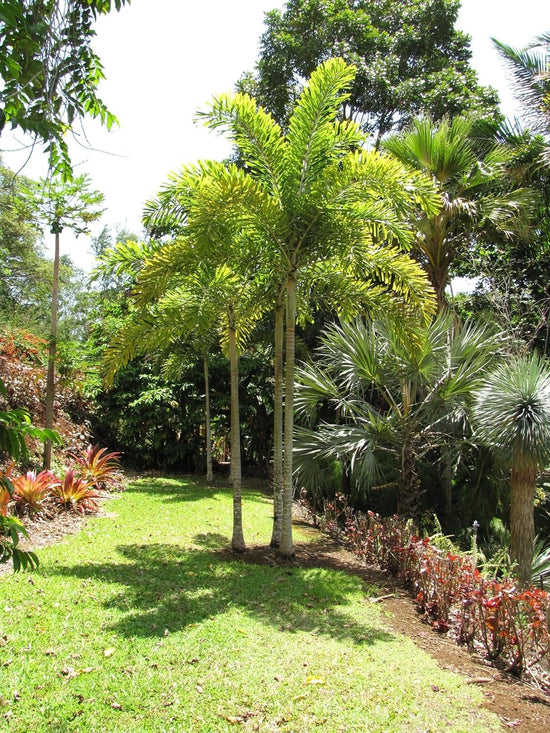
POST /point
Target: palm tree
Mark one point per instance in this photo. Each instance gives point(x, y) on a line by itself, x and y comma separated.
point(471, 178)
point(374, 391)
point(177, 293)
point(311, 193)
point(512, 416)
point(530, 70)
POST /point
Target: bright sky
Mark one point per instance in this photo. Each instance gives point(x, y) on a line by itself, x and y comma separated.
point(166, 59)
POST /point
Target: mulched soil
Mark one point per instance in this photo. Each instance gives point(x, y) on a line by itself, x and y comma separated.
point(518, 704)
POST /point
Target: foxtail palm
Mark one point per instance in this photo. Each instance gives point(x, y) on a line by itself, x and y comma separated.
point(318, 194)
point(512, 415)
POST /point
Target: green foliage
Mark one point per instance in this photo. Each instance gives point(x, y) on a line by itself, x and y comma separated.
point(512, 411)
point(373, 392)
point(410, 60)
point(10, 529)
point(49, 71)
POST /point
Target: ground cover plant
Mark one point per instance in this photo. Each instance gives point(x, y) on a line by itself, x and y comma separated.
point(143, 621)
point(509, 624)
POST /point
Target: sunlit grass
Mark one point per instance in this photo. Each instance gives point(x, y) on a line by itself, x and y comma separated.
point(140, 623)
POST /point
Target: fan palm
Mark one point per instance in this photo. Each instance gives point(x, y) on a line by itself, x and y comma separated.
point(470, 179)
point(512, 415)
point(371, 392)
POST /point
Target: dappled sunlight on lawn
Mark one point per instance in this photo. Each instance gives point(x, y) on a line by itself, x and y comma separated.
point(165, 588)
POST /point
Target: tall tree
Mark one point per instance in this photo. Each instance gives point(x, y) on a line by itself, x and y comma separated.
point(61, 205)
point(410, 59)
point(512, 415)
point(49, 70)
point(479, 201)
point(309, 194)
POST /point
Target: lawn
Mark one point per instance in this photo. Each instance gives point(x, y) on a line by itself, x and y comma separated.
point(143, 622)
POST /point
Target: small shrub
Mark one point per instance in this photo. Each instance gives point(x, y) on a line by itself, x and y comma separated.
point(33, 492)
point(77, 494)
point(99, 467)
point(511, 626)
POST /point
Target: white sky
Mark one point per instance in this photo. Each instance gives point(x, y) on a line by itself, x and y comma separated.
point(164, 59)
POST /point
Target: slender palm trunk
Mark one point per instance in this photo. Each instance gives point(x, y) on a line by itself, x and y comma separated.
point(237, 541)
point(522, 522)
point(208, 429)
point(287, 546)
point(408, 502)
point(278, 427)
point(52, 352)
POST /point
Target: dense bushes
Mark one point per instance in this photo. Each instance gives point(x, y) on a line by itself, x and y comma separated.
point(512, 627)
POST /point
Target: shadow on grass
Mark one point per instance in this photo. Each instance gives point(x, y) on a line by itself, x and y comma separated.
point(189, 489)
point(163, 587)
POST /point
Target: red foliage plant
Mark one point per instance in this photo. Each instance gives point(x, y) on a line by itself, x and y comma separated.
point(78, 494)
point(511, 626)
point(33, 492)
point(99, 467)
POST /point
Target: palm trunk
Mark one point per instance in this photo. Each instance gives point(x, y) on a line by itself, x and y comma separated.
point(52, 352)
point(208, 429)
point(287, 546)
point(237, 541)
point(522, 522)
point(278, 428)
point(408, 502)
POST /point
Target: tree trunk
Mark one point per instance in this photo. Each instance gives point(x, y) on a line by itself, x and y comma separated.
point(408, 502)
point(522, 521)
point(52, 352)
point(237, 541)
point(208, 429)
point(278, 428)
point(287, 546)
point(447, 481)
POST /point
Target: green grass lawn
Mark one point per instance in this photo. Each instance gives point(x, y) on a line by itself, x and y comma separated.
point(138, 623)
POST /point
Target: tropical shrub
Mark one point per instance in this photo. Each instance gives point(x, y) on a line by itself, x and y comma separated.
point(33, 492)
point(511, 626)
point(98, 466)
point(77, 494)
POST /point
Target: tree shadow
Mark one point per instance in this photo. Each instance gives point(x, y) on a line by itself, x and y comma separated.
point(188, 489)
point(164, 587)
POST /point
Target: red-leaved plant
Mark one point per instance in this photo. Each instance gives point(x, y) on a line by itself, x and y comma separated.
point(78, 494)
point(33, 492)
point(99, 467)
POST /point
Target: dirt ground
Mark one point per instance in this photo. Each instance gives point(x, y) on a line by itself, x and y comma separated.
point(518, 704)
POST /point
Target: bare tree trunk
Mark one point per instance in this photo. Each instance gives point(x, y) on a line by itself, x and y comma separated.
point(237, 541)
point(208, 430)
point(278, 428)
point(287, 546)
point(522, 520)
point(52, 352)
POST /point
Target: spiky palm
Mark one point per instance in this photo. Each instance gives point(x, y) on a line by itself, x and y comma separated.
point(512, 414)
point(373, 390)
